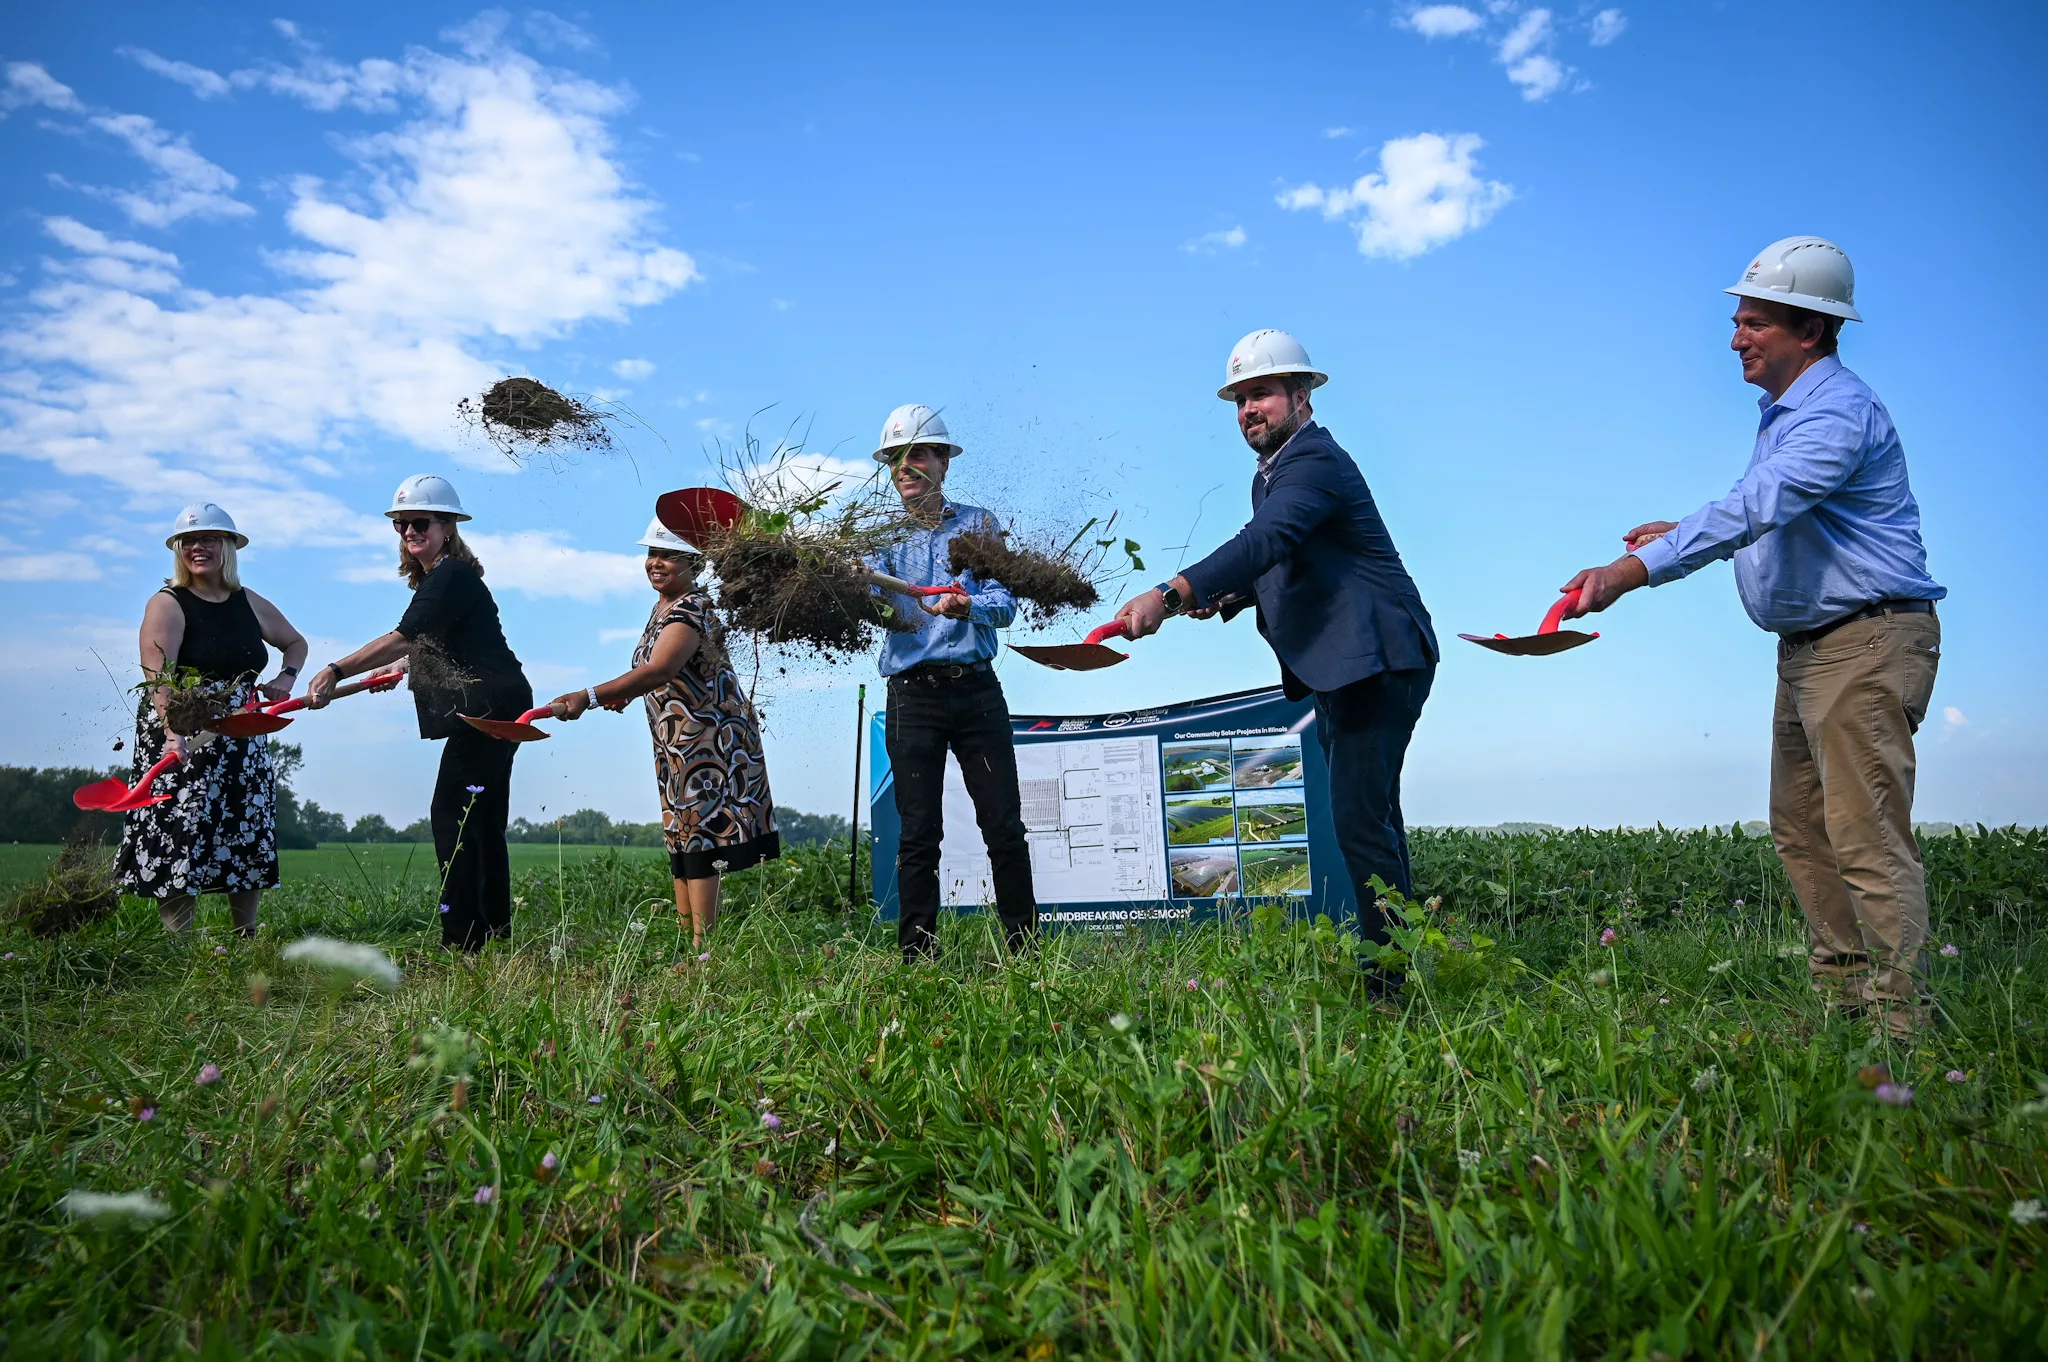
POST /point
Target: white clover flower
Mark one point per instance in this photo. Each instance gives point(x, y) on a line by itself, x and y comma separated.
point(85, 1205)
point(1120, 1022)
point(555, 953)
point(356, 958)
point(1707, 1079)
point(1720, 967)
point(2023, 1213)
point(1468, 1159)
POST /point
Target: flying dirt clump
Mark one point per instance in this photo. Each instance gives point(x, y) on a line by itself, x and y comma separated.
point(523, 416)
point(78, 889)
point(1047, 584)
point(434, 674)
point(806, 596)
point(189, 709)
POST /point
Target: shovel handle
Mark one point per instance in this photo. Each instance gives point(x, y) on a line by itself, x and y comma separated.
point(374, 681)
point(897, 584)
point(1556, 615)
point(1113, 629)
point(163, 764)
point(543, 712)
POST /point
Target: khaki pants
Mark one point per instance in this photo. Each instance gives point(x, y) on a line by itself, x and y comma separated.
point(1842, 806)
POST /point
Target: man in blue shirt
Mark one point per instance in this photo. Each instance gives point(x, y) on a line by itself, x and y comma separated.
point(1332, 598)
point(943, 693)
point(1826, 540)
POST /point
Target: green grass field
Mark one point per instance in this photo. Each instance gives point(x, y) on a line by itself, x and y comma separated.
point(588, 1143)
point(337, 862)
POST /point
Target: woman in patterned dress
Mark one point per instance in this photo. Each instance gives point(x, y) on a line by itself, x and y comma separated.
point(217, 834)
point(715, 808)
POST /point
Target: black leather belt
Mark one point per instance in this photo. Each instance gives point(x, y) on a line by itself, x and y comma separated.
point(932, 673)
point(1799, 638)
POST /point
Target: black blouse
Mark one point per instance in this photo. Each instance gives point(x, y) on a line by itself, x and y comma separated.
point(465, 667)
point(223, 640)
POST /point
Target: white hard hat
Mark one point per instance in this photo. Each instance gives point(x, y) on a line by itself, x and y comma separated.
point(1802, 271)
point(426, 492)
point(201, 516)
point(1267, 352)
point(913, 423)
point(660, 536)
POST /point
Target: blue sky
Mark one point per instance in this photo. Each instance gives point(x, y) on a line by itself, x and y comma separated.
point(257, 255)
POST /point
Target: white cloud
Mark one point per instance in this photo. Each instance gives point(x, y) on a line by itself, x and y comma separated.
point(187, 184)
point(49, 567)
point(1211, 242)
point(552, 31)
point(28, 83)
point(493, 215)
point(1525, 52)
point(1425, 193)
point(605, 636)
point(1608, 25)
point(1334, 133)
point(1538, 76)
point(633, 369)
point(1953, 717)
point(200, 81)
point(1533, 29)
point(1442, 21)
point(541, 563)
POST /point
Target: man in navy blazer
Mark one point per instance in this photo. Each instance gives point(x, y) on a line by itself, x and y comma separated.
point(1333, 600)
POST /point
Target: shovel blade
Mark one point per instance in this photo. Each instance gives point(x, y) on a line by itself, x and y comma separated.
point(1532, 645)
point(249, 724)
point(1070, 657)
point(698, 513)
point(100, 794)
point(511, 730)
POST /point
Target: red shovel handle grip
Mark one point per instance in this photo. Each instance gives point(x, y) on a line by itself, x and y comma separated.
point(1556, 615)
point(543, 712)
point(1113, 629)
point(374, 681)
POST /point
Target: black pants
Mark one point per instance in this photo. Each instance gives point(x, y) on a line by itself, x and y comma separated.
point(970, 716)
point(472, 801)
point(1364, 728)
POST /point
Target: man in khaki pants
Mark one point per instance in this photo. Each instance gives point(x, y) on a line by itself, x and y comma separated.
point(1826, 540)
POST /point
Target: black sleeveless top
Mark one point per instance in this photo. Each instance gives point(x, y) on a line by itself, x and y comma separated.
point(223, 641)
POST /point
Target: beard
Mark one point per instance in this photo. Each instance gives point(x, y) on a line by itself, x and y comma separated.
point(1266, 438)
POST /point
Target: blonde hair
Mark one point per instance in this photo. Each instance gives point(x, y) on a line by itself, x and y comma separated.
point(230, 571)
point(409, 566)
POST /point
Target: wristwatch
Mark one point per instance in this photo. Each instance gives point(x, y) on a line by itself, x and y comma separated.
point(1170, 596)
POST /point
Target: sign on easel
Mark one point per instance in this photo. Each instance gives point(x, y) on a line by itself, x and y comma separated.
point(1167, 815)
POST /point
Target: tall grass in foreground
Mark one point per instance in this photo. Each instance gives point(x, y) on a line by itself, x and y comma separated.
point(1192, 1145)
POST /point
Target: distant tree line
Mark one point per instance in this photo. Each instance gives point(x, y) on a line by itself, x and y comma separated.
point(35, 806)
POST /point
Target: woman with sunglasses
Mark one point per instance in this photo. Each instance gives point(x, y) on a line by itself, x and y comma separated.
point(716, 813)
point(460, 665)
point(217, 834)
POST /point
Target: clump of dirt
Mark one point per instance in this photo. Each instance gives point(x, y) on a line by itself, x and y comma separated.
point(524, 416)
point(433, 673)
point(189, 709)
point(809, 597)
point(78, 888)
point(1047, 584)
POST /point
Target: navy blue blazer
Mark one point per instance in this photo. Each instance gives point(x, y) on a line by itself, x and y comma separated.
point(1334, 600)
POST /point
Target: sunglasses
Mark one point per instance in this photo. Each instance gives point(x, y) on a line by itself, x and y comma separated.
point(208, 541)
point(418, 524)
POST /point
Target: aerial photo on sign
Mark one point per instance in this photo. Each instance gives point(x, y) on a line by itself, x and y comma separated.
point(1261, 762)
point(1275, 870)
point(1195, 820)
point(1197, 766)
point(1209, 872)
point(1271, 816)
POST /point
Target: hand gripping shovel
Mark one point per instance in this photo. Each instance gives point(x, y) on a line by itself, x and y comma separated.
point(698, 514)
point(1547, 639)
point(520, 729)
point(111, 796)
point(251, 721)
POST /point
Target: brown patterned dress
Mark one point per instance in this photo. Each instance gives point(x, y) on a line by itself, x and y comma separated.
point(715, 807)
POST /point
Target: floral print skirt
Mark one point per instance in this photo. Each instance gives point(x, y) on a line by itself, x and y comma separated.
point(217, 834)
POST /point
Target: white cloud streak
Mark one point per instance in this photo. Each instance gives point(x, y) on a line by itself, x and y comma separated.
point(1426, 193)
point(1525, 52)
point(187, 184)
point(1209, 243)
point(1608, 25)
point(200, 81)
point(633, 370)
point(542, 563)
point(1442, 21)
point(29, 84)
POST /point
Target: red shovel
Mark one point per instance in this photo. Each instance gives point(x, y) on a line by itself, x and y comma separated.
point(250, 721)
point(520, 729)
point(698, 514)
point(111, 796)
point(1547, 639)
point(1086, 656)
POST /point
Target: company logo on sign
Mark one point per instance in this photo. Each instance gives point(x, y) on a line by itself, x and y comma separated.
point(1071, 725)
point(1116, 721)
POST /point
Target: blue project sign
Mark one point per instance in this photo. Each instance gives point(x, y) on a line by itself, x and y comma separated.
point(1165, 815)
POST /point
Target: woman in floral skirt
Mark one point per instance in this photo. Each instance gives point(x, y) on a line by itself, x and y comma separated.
point(217, 834)
point(716, 812)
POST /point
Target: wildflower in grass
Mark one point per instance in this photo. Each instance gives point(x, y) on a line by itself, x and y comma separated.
point(1119, 1023)
point(1600, 978)
point(555, 953)
point(1860, 1227)
point(1950, 950)
point(350, 958)
point(1894, 1094)
point(474, 789)
point(120, 1206)
point(1468, 1159)
point(549, 1161)
point(706, 955)
point(1707, 1079)
point(1038, 984)
point(209, 1074)
point(636, 926)
point(770, 1120)
point(1663, 1002)
point(1956, 1076)
point(2024, 1213)
point(1740, 904)
point(147, 1114)
point(1194, 985)
point(764, 1168)
point(720, 866)
point(596, 1098)
point(220, 950)
point(1608, 936)
point(485, 1195)
point(1720, 967)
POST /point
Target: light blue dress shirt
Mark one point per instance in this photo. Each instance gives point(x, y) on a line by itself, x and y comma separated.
point(922, 560)
point(1823, 522)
